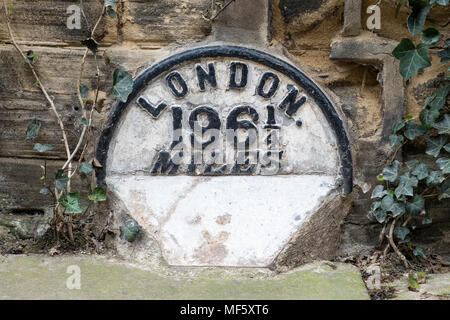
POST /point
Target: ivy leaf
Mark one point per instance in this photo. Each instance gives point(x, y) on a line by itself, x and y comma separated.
point(396, 140)
point(61, 179)
point(434, 178)
point(415, 206)
point(91, 44)
point(444, 165)
point(380, 215)
point(418, 251)
point(413, 285)
point(387, 202)
point(129, 230)
point(438, 98)
point(85, 168)
point(378, 192)
point(122, 85)
point(435, 144)
point(427, 219)
point(397, 208)
point(447, 147)
point(445, 190)
point(428, 117)
point(71, 202)
point(411, 58)
point(430, 36)
point(444, 54)
point(110, 3)
point(405, 187)
point(412, 163)
point(390, 172)
point(44, 190)
point(99, 194)
point(42, 147)
point(84, 92)
point(33, 129)
point(398, 126)
point(421, 171)
point(440, 2)
point(374, 206)
point(111, 13)
point(443, 126)
point(401, 232)
point(418, 15)
point(31, 57)
point(413, 130)
point(84, 121)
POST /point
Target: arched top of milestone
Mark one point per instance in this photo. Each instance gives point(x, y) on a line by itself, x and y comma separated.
point(225, 51)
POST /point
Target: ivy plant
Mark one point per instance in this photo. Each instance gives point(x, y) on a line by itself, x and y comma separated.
point(405, 187)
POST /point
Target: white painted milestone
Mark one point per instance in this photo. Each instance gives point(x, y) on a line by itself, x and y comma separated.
point(221, 161)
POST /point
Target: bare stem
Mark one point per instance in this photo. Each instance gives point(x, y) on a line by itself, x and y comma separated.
point(221, 10)
point(393, 245)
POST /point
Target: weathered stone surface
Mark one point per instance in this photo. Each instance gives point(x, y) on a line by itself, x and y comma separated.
point(352, 18)
point(436, 287)
point(243, 21)
point(26, 226)
point(20, 183)
point(45, 22)
point(162, 22)
point(103, 278)
point(21, 100)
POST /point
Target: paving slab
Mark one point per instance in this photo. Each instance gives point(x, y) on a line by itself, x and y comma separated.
point(436, 287)
point(45, 277)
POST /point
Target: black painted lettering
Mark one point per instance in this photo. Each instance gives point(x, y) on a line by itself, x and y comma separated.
point(204, 75)
point(235, 69)
point(155, 112)
point(176, 84)
point(291, 101)
point(264, 81)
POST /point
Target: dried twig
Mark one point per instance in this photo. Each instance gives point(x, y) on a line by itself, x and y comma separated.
point(394, 246)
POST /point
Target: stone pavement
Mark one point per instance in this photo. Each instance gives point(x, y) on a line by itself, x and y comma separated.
point(45, 277)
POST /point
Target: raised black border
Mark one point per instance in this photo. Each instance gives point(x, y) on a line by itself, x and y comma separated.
point(233, 52)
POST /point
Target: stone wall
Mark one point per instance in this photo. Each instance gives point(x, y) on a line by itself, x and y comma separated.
point(145, 30)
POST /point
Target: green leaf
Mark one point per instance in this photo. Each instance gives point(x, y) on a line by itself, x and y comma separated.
point(33, 129)
point(414, 60)
point(387, 202)
point(435, 144)
point(380, 215)
point(374, 206)
point(31, 56)
point(413, 285)
point(428, 117)
point(129, 230)
point(434, 178)
point(111, 13)
point(401, 232)
point(427, 219)
point(99, 194)
point(447, 147)
point(85, 168)
point(91, 44)
point(84, 92)
point(445, 189)
point(405, 46)
point(421, 171)
point(390, 172)
point(430, 35)
point(378, 192)
point(398, 126)
point(405, 187)
point(380, 177)
point(110, 3)
point(397, 208)
point(395, 140)
point(418, 251)
point(413, 130)
point(61, 179)
point(440, 2)
point(417, 17)
point(443, 127)
point(42, 147)
point(44, 190)
point(438, 98)
point(412, 163)
point(444, 54)
point(444, 165)
point(71, 202)
point(84, 121)
point(415, 206)
point(122, 85)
